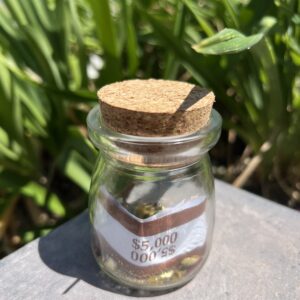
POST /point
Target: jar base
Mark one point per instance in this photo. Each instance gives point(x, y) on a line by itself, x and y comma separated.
point(143, 284)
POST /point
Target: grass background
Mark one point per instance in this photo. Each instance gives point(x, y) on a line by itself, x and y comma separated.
point(55, 54)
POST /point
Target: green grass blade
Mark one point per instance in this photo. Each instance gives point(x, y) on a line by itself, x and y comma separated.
point(75, 166)
point(6, 25)
point(106, 31)
point(277, 104)
point(78, 70)
point(5, 150)
point(131, 38)
point(31, 99)
point(31, 16)
point(39, 194)
point(44, 15)
point(196, 11)
point(16, 115)
point(42, 49)
point(172, 65)
point(84, 96)
point(232, 13)
point(17, 12)
point(172, 44)
point(76, 172)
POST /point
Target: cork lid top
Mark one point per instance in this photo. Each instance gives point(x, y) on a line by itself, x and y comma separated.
point(155, 95)
point(155, 107)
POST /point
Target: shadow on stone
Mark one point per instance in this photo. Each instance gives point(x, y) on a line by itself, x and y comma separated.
point(67, 251)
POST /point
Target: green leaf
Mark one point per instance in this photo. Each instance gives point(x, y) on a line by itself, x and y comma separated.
point(227, 41)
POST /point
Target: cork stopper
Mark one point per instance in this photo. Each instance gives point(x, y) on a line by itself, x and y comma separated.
point(155, 107)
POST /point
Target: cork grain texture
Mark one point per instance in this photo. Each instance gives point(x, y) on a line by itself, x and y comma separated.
point(155, 107)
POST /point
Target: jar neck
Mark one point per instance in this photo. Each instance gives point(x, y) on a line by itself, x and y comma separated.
point(153, 152)
point(134, 167)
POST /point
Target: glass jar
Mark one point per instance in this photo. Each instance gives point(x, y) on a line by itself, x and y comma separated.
point(152, 204)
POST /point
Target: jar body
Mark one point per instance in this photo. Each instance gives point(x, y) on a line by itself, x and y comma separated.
point(151, 227)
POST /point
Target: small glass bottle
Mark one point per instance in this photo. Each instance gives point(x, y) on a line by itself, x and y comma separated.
point(152, 204)
point(152, 192)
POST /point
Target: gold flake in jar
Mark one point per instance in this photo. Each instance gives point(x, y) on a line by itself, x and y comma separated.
point(190, 260)
point(178, 274)
point(164, 276)
point(146, 210)
point(167, 274)
point(153, 279)
point(110, 264)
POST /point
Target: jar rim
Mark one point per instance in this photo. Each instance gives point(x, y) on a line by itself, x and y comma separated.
point(97, 129)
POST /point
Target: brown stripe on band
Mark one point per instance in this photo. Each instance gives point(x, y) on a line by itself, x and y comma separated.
point(155, 226)
point(106, 251)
